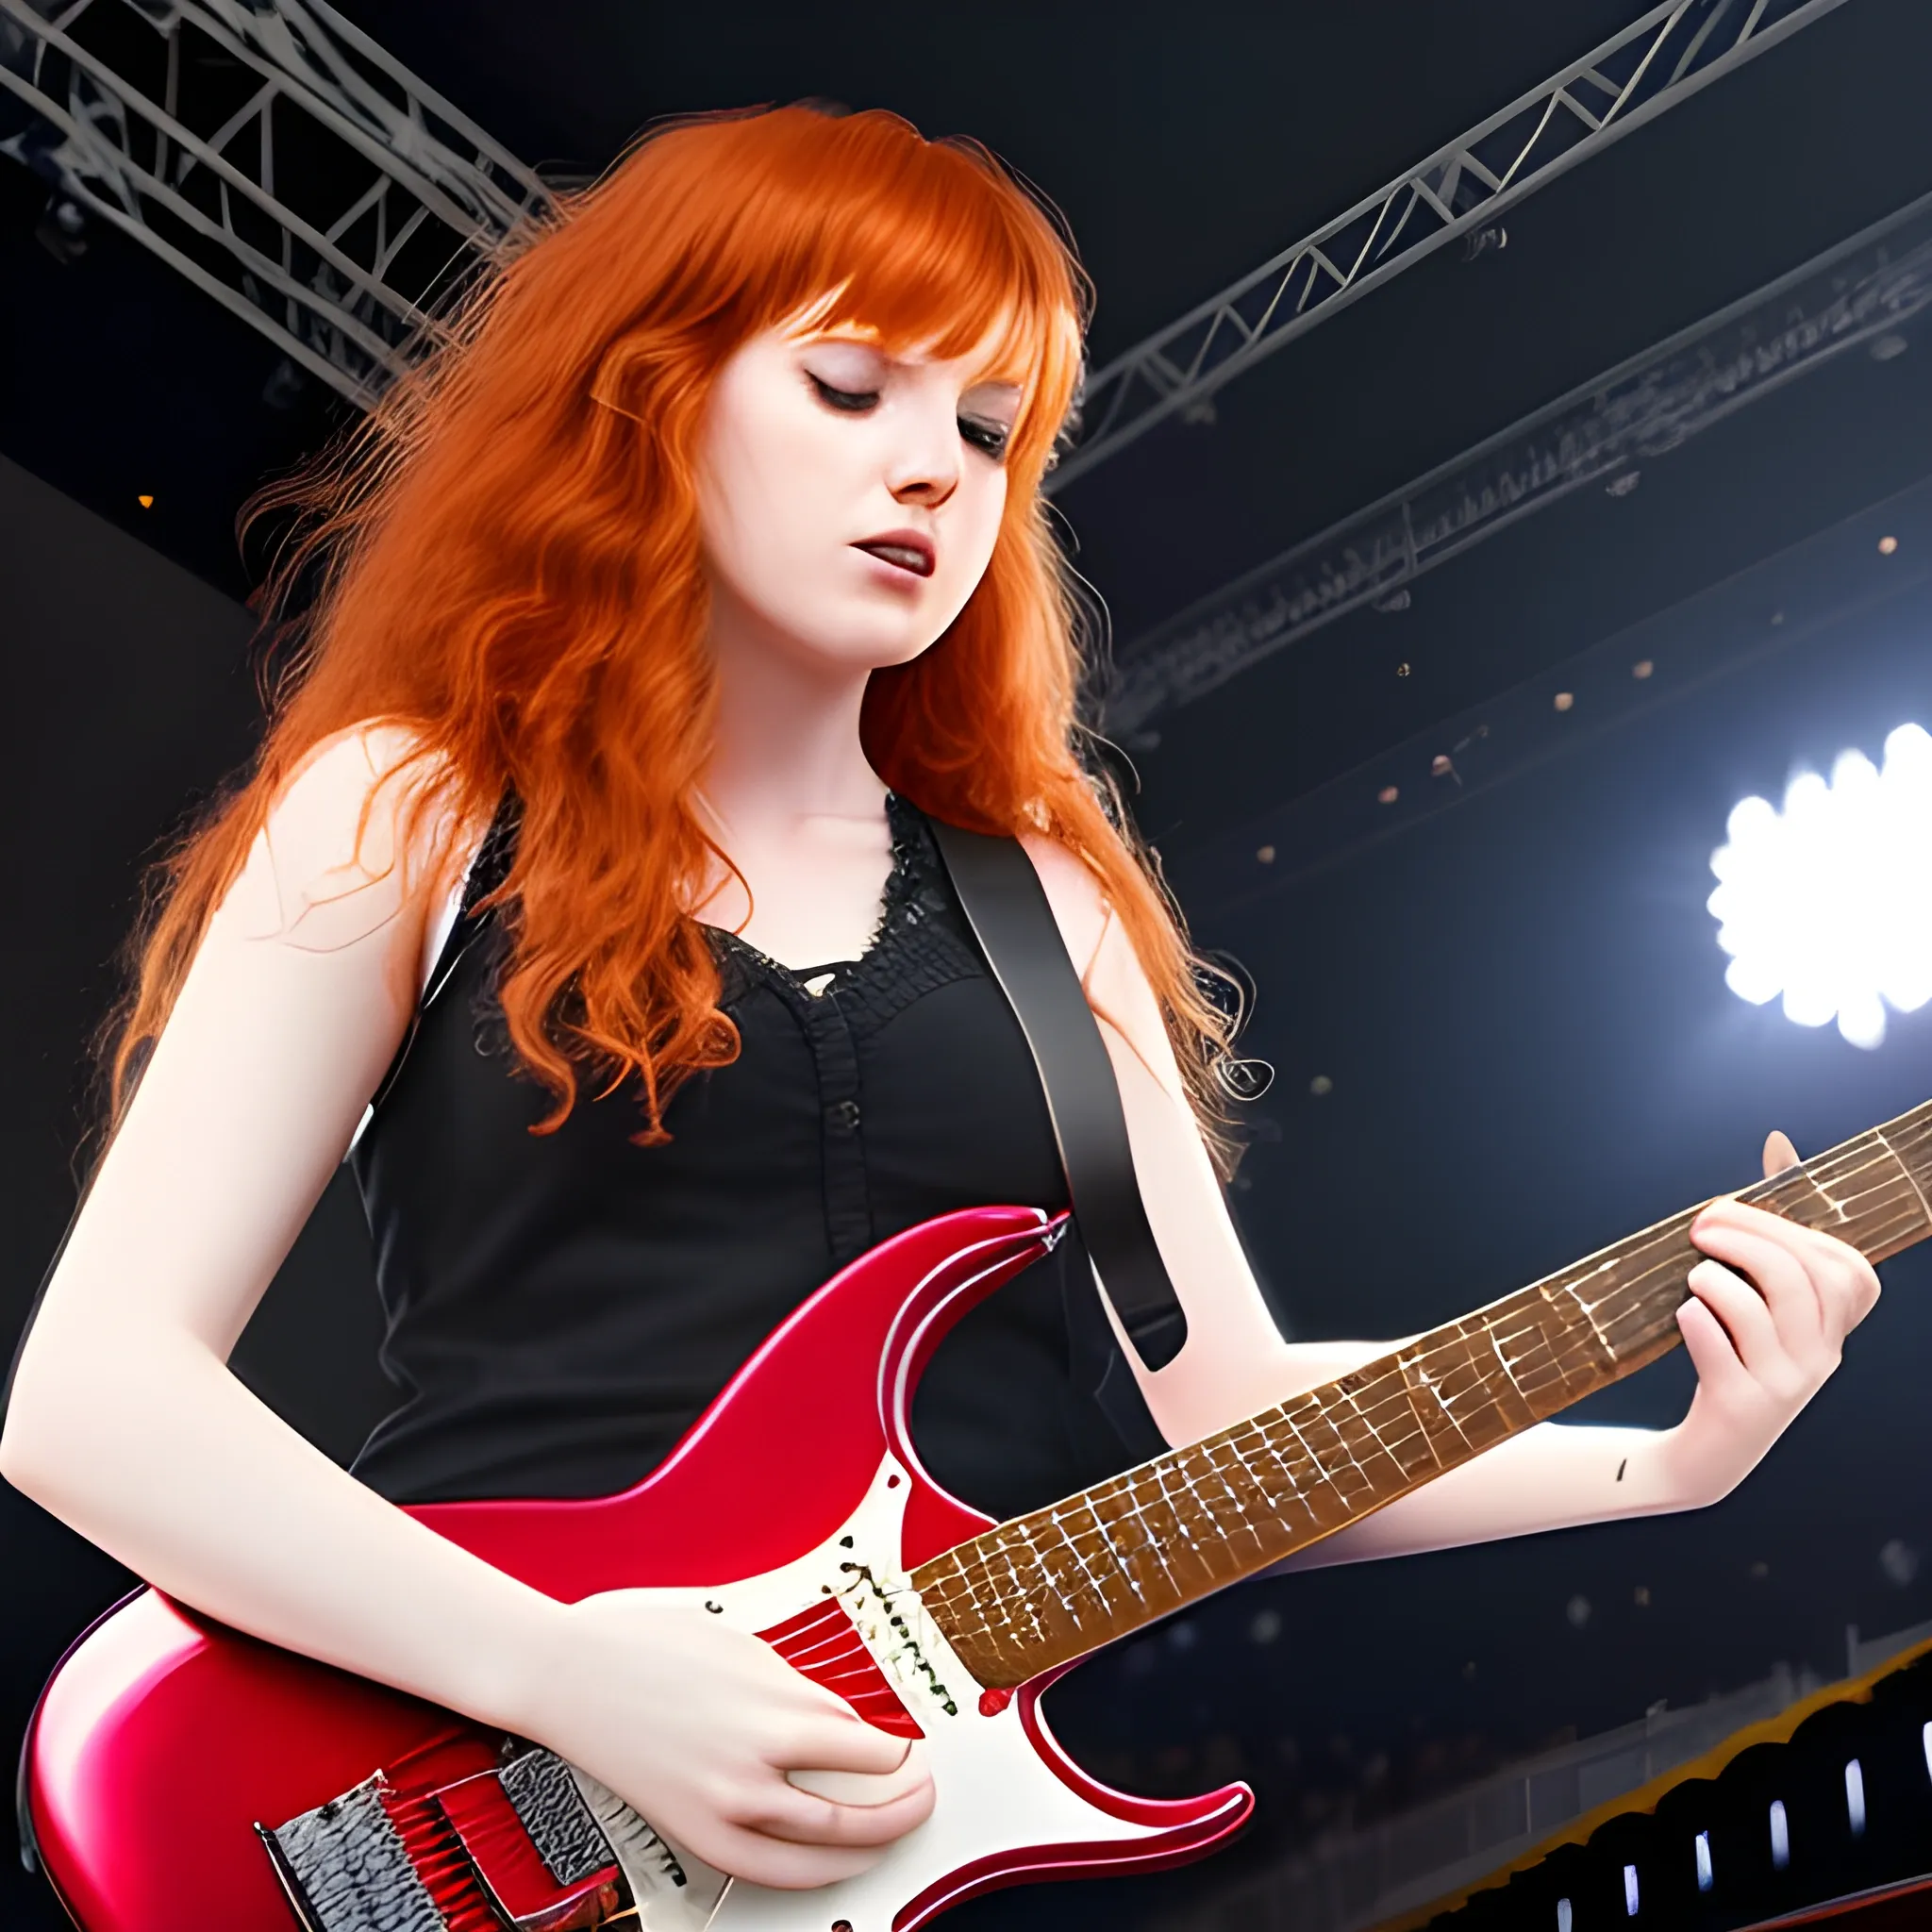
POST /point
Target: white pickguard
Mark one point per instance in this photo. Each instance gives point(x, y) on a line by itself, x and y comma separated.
point(994, 1793)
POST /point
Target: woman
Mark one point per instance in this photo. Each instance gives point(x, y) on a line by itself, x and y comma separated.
point(713, 545)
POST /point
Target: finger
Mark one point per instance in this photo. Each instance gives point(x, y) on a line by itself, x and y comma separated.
point(1741, 1311)
point(777, 1808)
point(864, 1786)
point(779, 1863)
point(1708, 1345)
point(1784, 1282)
point(1844, 1280)
point(839, 1742)
point(1778, 1154)
point(1820, 1250)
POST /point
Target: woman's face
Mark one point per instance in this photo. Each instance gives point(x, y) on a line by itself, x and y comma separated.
point(848, 498)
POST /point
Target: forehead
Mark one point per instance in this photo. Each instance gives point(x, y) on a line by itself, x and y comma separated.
point(1004, 348)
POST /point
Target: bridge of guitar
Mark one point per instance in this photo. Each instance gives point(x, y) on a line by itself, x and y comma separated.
point(528, 1845)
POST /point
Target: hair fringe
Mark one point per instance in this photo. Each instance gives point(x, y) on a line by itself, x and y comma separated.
point(502, 558)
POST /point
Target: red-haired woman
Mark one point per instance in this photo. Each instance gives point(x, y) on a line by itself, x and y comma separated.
point(705, 564)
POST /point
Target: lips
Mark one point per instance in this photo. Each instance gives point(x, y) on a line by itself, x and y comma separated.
point(911, 551)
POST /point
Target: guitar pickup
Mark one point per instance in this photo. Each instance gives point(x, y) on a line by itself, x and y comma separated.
point(534, 1846)
point(518, 1846)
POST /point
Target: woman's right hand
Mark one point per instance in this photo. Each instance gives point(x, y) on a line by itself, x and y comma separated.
point(125, 1421)
point(697, 1724)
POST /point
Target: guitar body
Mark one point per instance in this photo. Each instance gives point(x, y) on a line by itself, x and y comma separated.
point(168, 1749)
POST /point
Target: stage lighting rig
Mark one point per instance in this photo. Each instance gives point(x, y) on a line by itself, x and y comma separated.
point(270, 153)
point(1828, 903)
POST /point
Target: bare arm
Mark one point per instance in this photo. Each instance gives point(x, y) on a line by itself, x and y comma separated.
point(1764, 1332)
point(125, 1421)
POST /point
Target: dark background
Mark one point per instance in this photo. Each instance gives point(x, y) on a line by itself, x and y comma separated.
point(1513, 990)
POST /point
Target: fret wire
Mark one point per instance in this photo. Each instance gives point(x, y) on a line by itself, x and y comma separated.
point(1233, 1495)
point(1522, 1357)
point(1843, 1197)
point(1353, 1398)
point(1290, 1479)
point(1153, 1544)
point(1309, 1450)
point(1257, 1490)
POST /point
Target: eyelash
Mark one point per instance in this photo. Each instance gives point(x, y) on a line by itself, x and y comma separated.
point(989, 438)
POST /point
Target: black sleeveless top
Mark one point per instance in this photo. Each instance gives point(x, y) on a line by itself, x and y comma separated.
point(561, 1307)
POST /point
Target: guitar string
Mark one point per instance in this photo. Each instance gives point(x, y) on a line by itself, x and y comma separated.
point(1870, 1153)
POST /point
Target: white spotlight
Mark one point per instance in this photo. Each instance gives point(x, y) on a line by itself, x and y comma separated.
point(1830, 902)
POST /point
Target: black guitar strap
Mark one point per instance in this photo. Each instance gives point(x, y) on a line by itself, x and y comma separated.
point(1008, 909)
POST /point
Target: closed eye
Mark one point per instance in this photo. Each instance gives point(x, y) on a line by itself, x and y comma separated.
point(854, 401)
point(988, 437)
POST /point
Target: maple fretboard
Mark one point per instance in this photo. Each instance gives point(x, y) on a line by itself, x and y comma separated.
point(1046, 1587)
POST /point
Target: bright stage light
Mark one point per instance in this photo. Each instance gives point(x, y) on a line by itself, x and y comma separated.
point(1830, 902)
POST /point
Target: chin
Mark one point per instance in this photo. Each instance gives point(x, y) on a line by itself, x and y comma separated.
point(863, 642)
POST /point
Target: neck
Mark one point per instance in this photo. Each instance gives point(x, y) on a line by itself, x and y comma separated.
point(786, 743)
point(1043, 1588)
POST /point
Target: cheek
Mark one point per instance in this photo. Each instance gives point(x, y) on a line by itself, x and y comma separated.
point(758, 523)
point(976, 533)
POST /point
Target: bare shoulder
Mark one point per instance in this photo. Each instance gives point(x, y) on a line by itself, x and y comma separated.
point(1077, 898)
point(1110, 971)
point(357, 836)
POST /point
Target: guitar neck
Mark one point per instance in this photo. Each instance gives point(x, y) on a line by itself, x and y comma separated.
point(1046, 1587)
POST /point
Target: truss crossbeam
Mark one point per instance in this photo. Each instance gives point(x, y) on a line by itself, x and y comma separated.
point(274, 155)
point(1659, 60)
point(1856, 293)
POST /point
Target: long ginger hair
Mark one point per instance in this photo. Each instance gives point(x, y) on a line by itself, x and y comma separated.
point(503, 557)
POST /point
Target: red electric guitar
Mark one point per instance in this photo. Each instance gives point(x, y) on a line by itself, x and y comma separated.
point(180, 1777)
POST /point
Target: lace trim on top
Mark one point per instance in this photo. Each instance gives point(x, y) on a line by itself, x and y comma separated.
point(920, 942)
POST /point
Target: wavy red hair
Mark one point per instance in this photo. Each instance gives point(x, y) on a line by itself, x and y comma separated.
point(506, 561)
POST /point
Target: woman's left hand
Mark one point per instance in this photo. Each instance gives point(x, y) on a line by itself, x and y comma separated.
point(1770, 1308)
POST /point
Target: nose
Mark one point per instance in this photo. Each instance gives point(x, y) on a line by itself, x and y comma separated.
point(928, 491)
point(924, 468)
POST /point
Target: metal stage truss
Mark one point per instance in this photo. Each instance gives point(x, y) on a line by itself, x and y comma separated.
point(1655, 62)
point(281, 161)
point(272, 153)
point(168, 118)
point(1859, 291)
